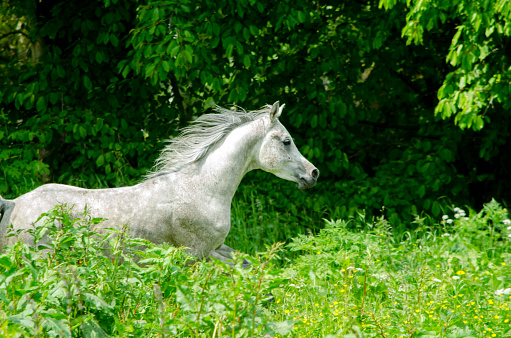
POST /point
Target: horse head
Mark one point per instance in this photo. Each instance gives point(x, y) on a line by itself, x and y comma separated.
point(278, 154)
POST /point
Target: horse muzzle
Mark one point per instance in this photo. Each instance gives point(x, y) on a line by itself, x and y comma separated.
point(308, 180)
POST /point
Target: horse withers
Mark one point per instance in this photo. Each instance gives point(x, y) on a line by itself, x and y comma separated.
point(186, 199)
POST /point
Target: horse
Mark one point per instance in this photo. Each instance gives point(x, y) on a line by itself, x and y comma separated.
point(185, 200)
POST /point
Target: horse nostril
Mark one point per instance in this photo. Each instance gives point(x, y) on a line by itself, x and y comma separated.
point(315, 174)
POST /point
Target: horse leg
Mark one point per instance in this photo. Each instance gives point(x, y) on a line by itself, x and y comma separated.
point(223, 253)
point(6, 208)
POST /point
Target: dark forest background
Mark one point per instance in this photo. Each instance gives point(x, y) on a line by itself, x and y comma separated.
point(402, 105)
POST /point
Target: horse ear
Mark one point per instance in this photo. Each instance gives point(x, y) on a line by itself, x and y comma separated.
point(275, 111)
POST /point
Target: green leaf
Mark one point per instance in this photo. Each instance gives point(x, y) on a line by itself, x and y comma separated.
point(183, 296)
point(98, 302)
point(282, 328)
point(421, 191)
point(114, 40)
point(156, 14)
point(41, 104)
point(254, 30)
point(301, 16)
point(59, 327)
point(246, 33)
point(83, 131)
point(246, 60)
point(87, 83)
point(314, 121)
point(100, 160)
point(166, 65)
point(92, 329)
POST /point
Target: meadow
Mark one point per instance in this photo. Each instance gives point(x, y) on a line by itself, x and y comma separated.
point(353, 277)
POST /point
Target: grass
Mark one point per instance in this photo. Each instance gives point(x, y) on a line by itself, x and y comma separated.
point(353, 278)
point(429, 283)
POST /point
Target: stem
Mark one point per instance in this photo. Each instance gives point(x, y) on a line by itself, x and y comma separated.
point(235, 295)
point(275, 247)
point(202, 301)
point(365, 288)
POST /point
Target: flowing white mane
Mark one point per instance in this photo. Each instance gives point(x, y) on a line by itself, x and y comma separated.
point(195, 140)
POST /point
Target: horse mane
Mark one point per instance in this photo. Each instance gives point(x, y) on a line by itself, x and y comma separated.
point(195, 140)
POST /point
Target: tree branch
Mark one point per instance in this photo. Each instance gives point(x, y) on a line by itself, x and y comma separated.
point(15, 32)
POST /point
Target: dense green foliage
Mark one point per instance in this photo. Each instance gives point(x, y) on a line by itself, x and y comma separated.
point(89, 90)
point(353, 279)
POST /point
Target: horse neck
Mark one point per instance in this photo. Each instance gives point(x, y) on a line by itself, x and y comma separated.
point(221, 171)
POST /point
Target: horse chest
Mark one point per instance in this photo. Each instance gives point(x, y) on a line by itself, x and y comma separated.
point(203, 224)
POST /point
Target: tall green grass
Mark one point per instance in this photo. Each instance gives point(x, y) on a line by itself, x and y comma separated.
point(348, 278)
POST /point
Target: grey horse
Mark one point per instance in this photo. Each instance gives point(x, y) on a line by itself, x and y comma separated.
point(186, 199)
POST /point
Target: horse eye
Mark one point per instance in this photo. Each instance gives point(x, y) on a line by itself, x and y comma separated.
point(287, 142)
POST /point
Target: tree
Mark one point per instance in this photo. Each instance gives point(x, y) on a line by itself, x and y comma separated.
point(480, 52)
point(116, 78)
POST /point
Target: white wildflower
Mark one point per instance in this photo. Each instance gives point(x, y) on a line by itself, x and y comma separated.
point(506, 222)
point(444, 217)
point(503, 292)
point(455, 277)
point(382, 276)
point(437, 280)
point(449, 221)
point(446, 235)
point(508, 228)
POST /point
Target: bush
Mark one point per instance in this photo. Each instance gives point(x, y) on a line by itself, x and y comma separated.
point(71, 288)
point(355, 278)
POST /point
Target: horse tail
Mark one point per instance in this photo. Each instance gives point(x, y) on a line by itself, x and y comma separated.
point(3, 206)
point(6, 208)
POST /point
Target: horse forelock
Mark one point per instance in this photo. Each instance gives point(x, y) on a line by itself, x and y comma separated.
point(195, 140)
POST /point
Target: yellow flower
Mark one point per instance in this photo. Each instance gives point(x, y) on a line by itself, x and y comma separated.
point(490, 301)
point(496, 317)
point(286, 311)
point(461, 272)
point(503, 263)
